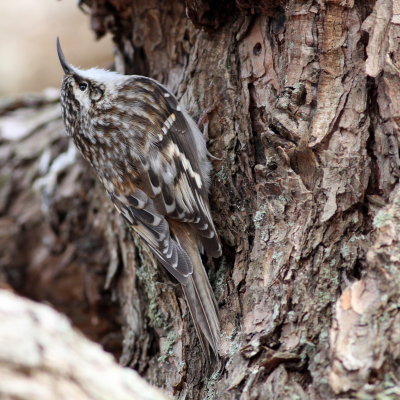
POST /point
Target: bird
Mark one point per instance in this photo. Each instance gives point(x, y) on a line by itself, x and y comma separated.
point(151, 158)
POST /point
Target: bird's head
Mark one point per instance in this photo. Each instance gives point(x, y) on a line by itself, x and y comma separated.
point(85, 94)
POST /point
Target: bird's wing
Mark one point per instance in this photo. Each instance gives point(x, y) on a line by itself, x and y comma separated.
point(177, 168)
point(169, 179)
point(139, 211)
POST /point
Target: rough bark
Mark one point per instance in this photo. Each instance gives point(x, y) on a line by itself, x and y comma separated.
point(300, 103)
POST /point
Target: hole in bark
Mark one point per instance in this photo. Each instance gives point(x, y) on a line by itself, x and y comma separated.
point(357, 270)
point(257, 49)
point(186, 35)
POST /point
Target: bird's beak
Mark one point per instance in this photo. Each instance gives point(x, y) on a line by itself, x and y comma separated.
point(67, 69)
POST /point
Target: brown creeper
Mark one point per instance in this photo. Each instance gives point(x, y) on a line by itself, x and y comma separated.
point(152, 160)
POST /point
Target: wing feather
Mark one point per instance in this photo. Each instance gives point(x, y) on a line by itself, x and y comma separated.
point(153, 228)
point(171, 183)
point(182, 173)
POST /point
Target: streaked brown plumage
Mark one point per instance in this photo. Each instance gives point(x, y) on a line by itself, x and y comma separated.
point(152, 160)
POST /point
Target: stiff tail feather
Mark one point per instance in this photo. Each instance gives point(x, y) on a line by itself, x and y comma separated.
point(202, 306)
point(199, 295)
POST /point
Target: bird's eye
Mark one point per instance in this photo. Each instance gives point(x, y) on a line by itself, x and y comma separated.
point(83, 86)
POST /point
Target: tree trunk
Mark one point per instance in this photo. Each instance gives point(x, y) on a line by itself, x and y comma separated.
point(299, 101)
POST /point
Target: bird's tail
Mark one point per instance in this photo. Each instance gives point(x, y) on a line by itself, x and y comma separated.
point(201, 301)
point(200, 297)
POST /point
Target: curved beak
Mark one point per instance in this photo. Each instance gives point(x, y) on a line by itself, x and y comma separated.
point(67, 69)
